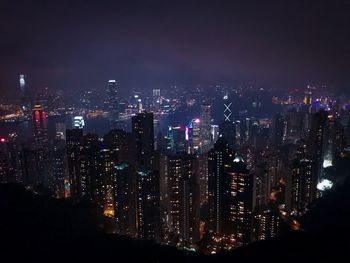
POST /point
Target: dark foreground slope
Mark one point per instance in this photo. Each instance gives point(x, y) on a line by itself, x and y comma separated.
point(36, 228)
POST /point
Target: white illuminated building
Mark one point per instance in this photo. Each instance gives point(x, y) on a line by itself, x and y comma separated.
point(78, 122)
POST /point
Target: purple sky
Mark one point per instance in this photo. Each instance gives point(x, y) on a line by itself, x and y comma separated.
point(81, 44)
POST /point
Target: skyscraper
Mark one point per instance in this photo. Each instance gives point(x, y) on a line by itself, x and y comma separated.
point(58, 165)
point(74, 142)
point(39, 125)
point(195, 136)
point(227, 130)
point(143, 132)
point(184, 199)
point(279, 130)
point(220, 161)
point(177, 136)
point(206, 138)
point(148, 198)
point(41, 147)
point(227, 114)
point(241, 184)
point(112, 95)
point(318, 142)
point(24, 93)
point(124, 189)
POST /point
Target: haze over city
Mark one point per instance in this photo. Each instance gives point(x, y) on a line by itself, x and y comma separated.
point(174, 131)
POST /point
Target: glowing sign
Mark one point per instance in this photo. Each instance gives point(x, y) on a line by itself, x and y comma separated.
point(78, 122)
point(324, 185)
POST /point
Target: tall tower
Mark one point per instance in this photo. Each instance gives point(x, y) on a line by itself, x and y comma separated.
point(42, 162)
point(143, 132)
point(318, 142)
point(148, 199)
point(195, 135)
point(74, 141)
point(39, 125)
point(24, 93)
point(227, 108)
point(112, 95)
point(279, 131)
point(227, 128)
point(220, 161)
point(124, 190)
point(241, 183)
point(206, 137)
point(184, 198)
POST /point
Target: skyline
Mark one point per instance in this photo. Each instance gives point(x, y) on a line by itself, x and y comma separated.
point(81, 45)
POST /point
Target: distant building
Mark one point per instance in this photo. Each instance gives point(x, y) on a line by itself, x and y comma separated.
point(78, 122)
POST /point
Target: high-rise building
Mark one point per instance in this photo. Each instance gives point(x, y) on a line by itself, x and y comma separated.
point(16, 159)
point(195, 136)
point(177, 136)
point(279, 130)
point(220, 161)
point(39, 125)
point(241, 184)
point(318, 142)
point(78, 122)
point(103, 185)
point(206, 138)
point(41, 147)
point(227, 108)
point(4, 163)
point(121, 145)
point(74, 143)
point(230, 198)
point(143, 132)
point(184, 199)
point(58, 166)
point(303, 190)
point(24, 93)
point(124, 189)
point(91, 181)
point(112, 95)
point(148, 199)
point(227, 130)
point(267, 222)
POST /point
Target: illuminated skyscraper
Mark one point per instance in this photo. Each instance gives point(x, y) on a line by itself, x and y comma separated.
point(41, 147)
point(177, 136)
point(227, 109)
point(227, 130)
point(143, 132)
point(206, 137)
point(318, 142)
point(241, 185)
point(220, 161)
point(195, 135)
point(279, 130)
point(267, 221)
point(74, 141)
point(58, 165)
point(112, 95)
point(24, 93)
point(184, 199)
point(39, 125)
point(124, 189)
point(148, 199)
point(303, 184)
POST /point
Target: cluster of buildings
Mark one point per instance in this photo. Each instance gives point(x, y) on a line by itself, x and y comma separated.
point(202, 185)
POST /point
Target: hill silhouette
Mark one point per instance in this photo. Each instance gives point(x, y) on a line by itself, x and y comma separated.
point(37, 228)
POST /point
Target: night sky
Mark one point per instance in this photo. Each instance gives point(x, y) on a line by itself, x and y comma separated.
point(145, 44)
